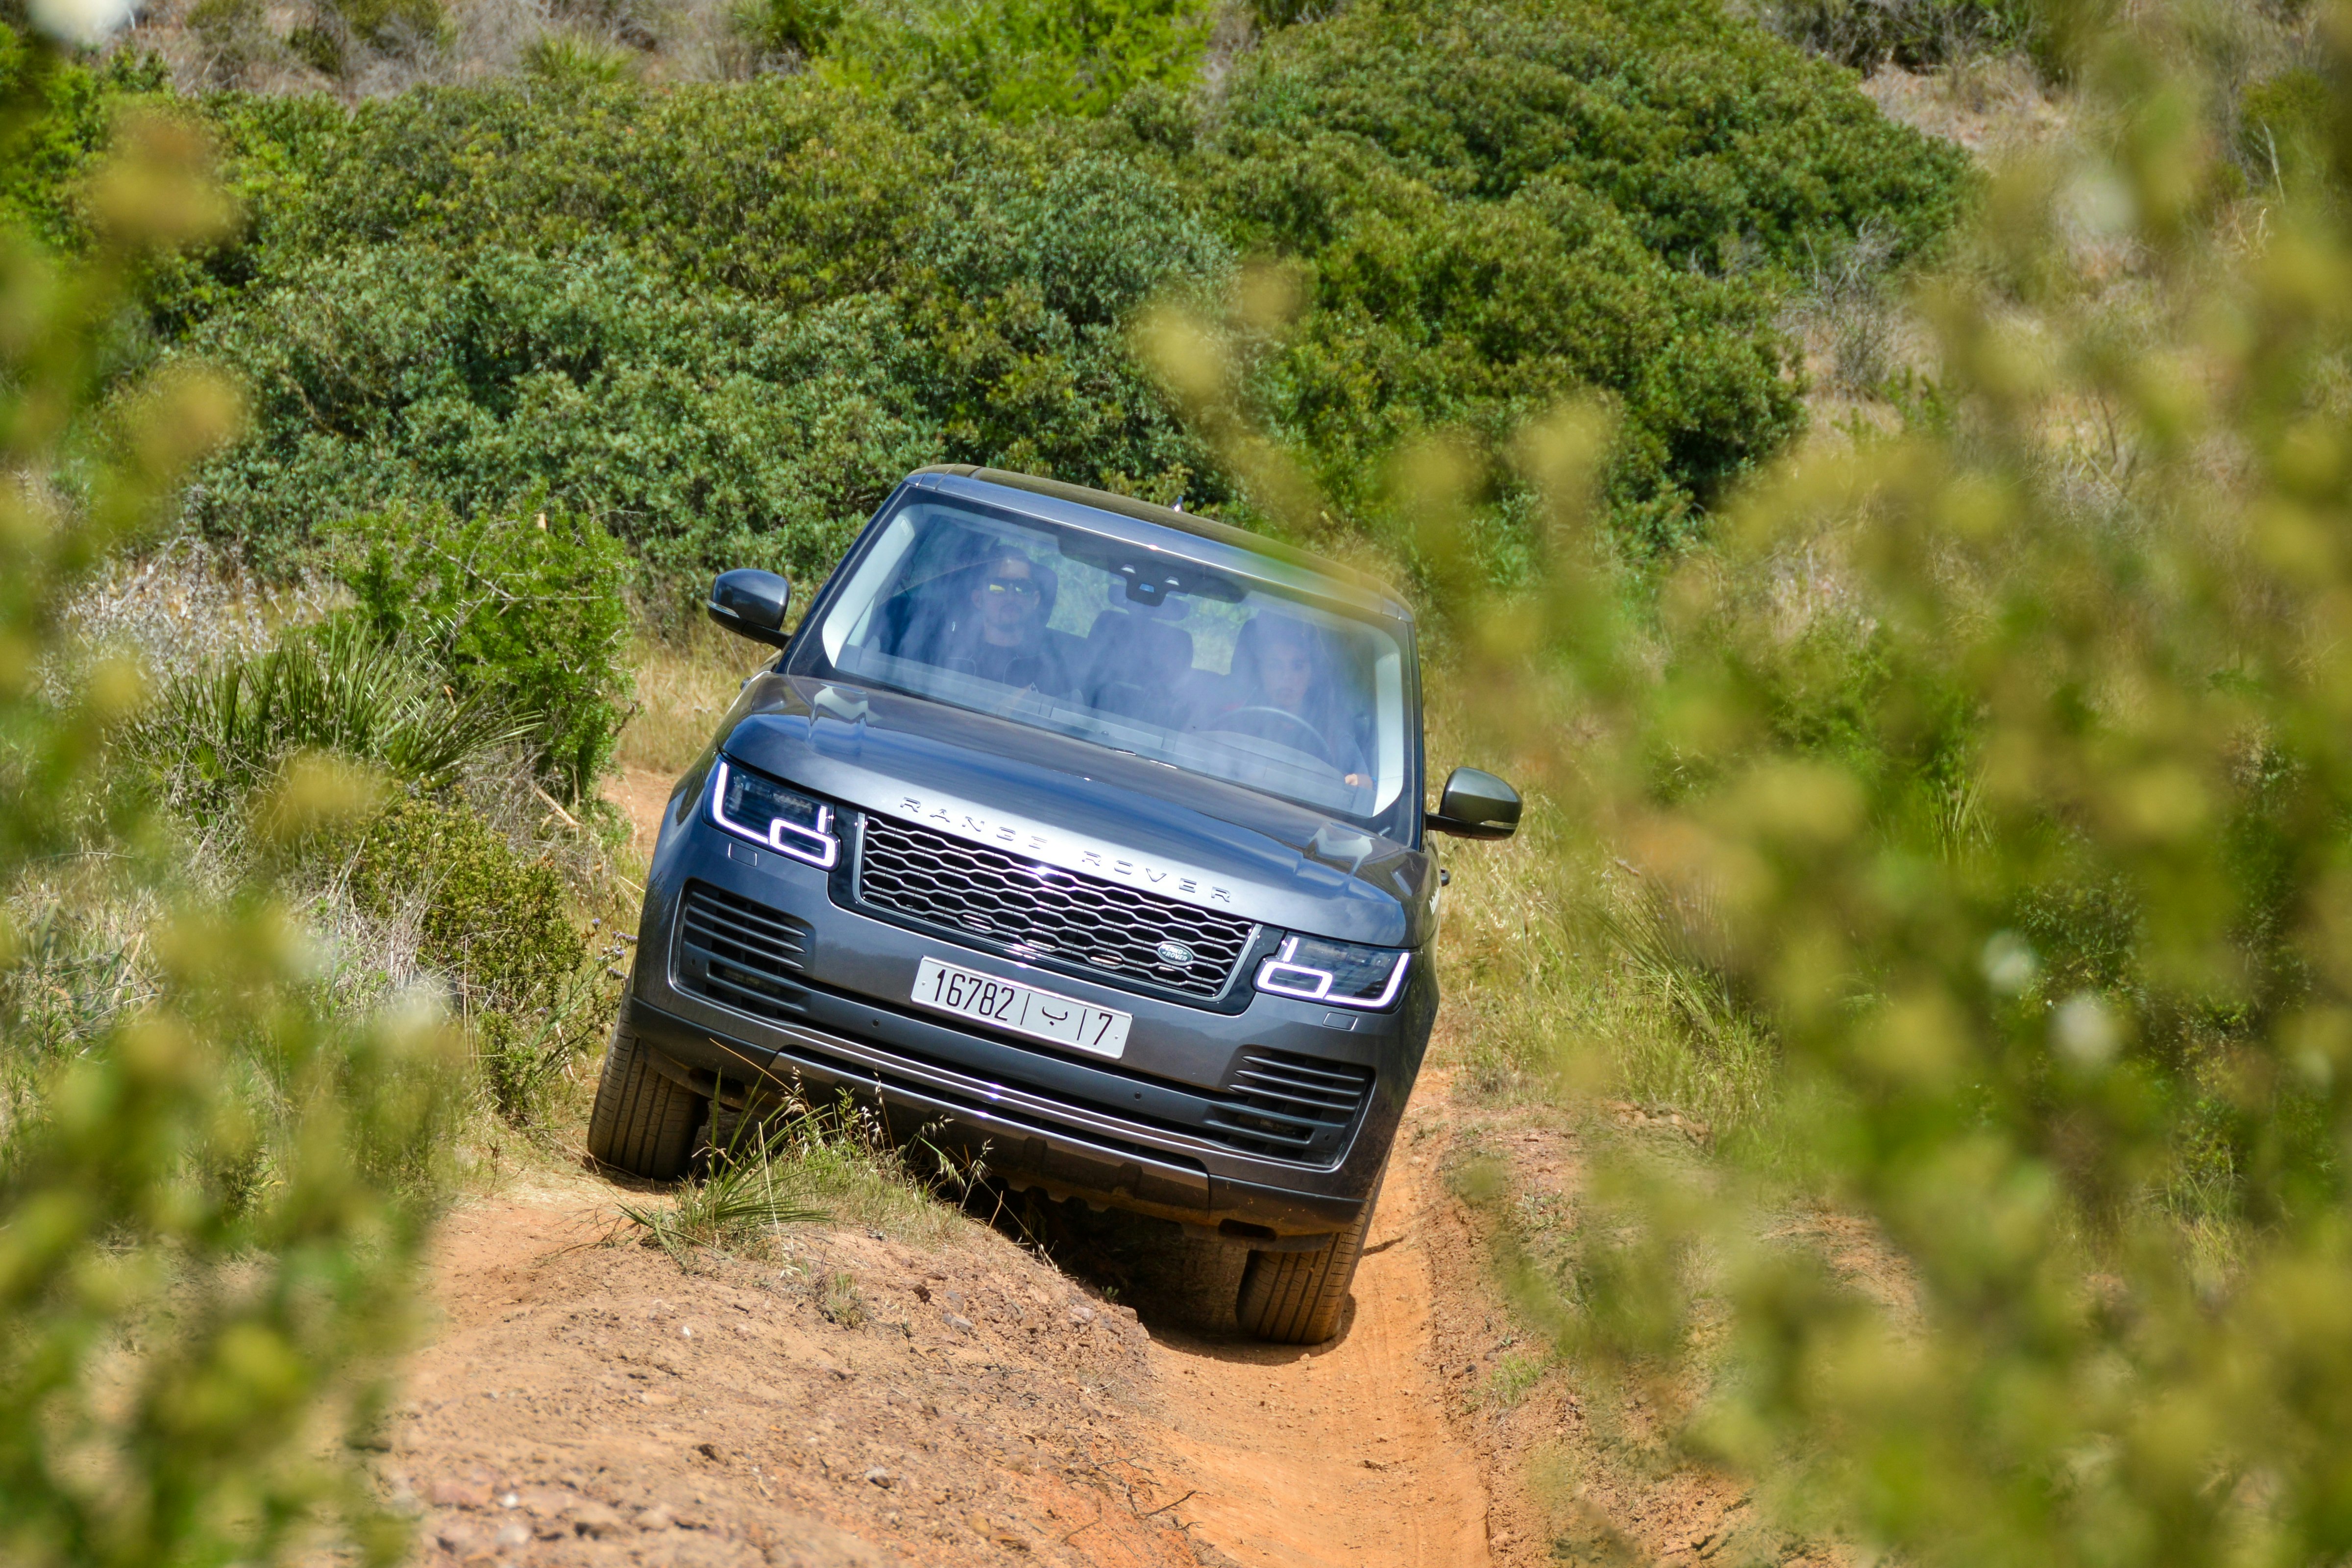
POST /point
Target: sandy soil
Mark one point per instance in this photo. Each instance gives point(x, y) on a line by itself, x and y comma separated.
point(1340, 1454)
point(867, 1401)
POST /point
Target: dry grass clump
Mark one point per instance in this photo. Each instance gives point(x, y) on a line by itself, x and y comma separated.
point(687, 680)
point(789, 1160)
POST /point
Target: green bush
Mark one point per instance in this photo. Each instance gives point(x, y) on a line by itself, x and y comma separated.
point(707, 429)
point(702, 431)
point(664, 176)
point(220, 727)
point(794, 29)
point(497, 923)
point(1019, 58)
point(522, 613)
point(460, 296)
point(1498, 204)
point(59, 117)
point(1719, 144)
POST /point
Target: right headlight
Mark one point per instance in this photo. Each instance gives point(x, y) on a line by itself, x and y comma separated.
point(753, 806)
point(1340, 973)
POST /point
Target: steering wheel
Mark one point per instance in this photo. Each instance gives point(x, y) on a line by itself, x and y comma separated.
point(1289, 728)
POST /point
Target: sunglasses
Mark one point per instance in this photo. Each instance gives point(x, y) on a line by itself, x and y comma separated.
point(1020, 587)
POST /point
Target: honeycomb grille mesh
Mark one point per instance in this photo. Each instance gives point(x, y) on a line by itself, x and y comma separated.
point(971, 890)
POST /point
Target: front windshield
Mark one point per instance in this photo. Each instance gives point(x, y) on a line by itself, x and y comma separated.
point(1131, 647)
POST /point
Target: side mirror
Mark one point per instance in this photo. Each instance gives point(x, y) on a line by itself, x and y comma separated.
point(751, 605)
point(1476, 806)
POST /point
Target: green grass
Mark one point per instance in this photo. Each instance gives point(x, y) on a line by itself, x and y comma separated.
point(795, 1161)
point(687, 679)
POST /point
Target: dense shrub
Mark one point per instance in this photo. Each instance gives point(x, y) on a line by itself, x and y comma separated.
point(497, 923)
point(222, 726)
point(57, 121)
point(1719, 143)
point(1502, 204)
point(1017, 59)
point(698, 429)
point(790, 190)
point(722, 318)
point(521, 613)
point(706, 428)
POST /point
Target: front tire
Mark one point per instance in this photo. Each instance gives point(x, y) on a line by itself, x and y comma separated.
point(643, 1123)
point(1299, 1298)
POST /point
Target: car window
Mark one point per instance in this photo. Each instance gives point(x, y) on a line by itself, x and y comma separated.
point(1145, 650)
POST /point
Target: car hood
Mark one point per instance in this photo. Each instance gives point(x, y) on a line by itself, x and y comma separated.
point(1084, 808)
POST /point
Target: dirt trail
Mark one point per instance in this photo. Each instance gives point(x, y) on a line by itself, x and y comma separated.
point(1340, 1454)
point(869, 1402)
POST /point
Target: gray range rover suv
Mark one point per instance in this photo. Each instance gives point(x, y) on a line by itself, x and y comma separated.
point(1081, 831)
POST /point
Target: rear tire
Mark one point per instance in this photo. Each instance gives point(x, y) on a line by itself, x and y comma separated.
point(644, 1124)
point(1299, 1298)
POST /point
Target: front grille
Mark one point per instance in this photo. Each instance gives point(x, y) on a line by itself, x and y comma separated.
point(1042, 910)
point(1295, 1107)
point(740, 953)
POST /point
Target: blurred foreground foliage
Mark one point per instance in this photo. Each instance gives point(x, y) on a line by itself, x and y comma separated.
point(1987, 793)
point(213, 1190)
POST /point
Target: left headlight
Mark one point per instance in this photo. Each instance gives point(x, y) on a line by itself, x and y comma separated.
point(1339, 973)
point(766, 813)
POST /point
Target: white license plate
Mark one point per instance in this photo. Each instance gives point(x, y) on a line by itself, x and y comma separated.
point(1023, 1009)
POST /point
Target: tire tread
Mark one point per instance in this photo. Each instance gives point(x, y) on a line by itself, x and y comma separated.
point(643, 1123)
point(1299, 1298)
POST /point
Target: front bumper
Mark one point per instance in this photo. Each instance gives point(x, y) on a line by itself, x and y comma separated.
point(1137, 1133)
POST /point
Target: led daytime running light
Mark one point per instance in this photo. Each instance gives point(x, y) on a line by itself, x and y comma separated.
point(816, 845)
point(1282, 977)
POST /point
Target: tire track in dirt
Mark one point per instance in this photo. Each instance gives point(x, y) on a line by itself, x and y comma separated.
point(1339, 1453)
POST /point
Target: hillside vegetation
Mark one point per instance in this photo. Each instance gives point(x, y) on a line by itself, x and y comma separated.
point(1939, 808)
point(722, 318)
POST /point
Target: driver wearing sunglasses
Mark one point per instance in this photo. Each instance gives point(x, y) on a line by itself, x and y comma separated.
point(1005, 638)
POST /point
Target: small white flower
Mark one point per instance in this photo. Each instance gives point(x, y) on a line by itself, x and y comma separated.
point(2085, 1031)
point(81, 21)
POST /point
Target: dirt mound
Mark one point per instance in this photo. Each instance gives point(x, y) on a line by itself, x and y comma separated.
point(862, 1403)
point(865, 1401)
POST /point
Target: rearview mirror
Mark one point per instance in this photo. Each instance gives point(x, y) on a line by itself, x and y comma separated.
point(752, 603)
point(1476, 806)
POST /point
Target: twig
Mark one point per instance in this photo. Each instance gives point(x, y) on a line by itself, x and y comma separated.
point(1164, 1507)
point(1089, 1525)
point(570, 820)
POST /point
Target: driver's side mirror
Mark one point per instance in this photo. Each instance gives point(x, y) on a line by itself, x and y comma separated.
point(752, 603)
point(1476, 806)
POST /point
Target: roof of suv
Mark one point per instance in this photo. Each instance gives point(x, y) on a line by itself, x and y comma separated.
point(1199, 527)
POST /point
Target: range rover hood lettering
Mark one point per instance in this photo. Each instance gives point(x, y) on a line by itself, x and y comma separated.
point(1088, 809)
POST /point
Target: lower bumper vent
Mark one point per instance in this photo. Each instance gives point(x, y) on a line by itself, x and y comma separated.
point(741, 954)
point(1293, 1107)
